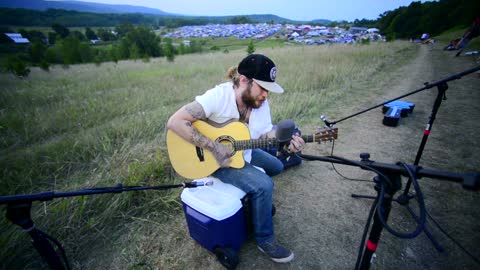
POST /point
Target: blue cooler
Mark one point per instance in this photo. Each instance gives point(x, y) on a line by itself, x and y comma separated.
point(392, 116)
point(216, 219)
point(405, 106)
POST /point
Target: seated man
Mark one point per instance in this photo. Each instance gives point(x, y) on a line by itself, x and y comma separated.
point(243, 99)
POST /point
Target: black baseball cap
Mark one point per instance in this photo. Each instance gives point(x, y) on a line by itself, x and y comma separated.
point(262, 70)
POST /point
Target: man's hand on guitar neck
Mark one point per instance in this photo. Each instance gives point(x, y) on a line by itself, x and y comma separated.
point(296, 144)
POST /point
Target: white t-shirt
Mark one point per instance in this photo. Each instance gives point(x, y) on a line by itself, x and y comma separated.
point(220, 107)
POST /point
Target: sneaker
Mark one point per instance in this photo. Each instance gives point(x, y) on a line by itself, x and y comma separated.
point(276, 252)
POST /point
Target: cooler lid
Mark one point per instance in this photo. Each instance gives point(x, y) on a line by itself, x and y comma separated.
point(218, 201)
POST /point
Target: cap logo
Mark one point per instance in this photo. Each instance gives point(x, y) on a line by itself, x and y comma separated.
point(273, 73)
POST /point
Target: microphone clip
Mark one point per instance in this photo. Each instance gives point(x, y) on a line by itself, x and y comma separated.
point(327, 123)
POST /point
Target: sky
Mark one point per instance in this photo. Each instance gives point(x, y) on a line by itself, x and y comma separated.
point(333, 10)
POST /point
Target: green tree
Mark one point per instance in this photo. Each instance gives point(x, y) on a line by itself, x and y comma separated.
point(53, 55)
point(16, 66)
point(134, 51)
point(250, 47)
point(61, 30)
point(86, 53)
point(52, 38)
point(145, 41)
point(239, 20)
point(70, 48)
point(124, 28)
point(44, 65)
point(169, 50)
point(106, 34)
point(181, 49)
point(195, 46)
point(33, 35)
point(90, 34)
point(114, 54)
point(37, 51)
point(79, 35)
point(122, 50)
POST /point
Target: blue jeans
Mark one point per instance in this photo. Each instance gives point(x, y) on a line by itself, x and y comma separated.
point(260, 186)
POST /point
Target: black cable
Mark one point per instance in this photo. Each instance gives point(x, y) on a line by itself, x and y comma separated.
point(421, 204)
point(385, 180)
point(453, 239)
point(60, 247)
point(347, 178)
point(365, 167)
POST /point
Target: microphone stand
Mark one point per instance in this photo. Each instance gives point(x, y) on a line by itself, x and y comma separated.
point(442, 87)
point(387, 183)
point(441, 83)
point(19, 207)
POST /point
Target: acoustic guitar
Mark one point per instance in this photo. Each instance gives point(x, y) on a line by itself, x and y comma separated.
point(192, 162)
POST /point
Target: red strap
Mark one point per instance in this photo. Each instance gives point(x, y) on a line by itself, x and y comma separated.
point(426, 132)
point(372, 246)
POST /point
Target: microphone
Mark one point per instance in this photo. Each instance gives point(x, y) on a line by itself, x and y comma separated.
point(328, 124)
point(284, 134)
point(195, 183)
point(209, 182)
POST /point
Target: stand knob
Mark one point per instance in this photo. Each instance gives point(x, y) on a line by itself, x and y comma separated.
point(364, 156)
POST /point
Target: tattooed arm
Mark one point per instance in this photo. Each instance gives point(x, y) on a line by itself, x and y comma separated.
point(181, 123)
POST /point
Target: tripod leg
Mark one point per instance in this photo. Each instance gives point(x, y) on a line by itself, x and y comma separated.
point(435, 243)
point(375, 233)
point(19, 214)
point(362, 196)
point(46, 250)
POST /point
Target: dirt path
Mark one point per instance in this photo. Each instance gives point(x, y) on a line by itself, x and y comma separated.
point(320, 221)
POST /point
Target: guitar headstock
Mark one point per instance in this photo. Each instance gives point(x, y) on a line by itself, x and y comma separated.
point(326, 134)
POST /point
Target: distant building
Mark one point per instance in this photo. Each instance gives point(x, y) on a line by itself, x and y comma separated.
point(355, 29)
point(17, 38)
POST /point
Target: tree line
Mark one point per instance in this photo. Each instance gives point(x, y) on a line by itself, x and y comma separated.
point(429, 17)
point(69, 18)
point(62, 46)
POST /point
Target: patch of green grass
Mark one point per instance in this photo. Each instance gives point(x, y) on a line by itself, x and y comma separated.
point(232, 43)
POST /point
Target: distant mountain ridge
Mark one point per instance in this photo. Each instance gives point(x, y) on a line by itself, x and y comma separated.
point(80, 6)
point(123, 9)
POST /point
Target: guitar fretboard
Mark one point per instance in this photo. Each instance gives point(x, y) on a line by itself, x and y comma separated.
point(265, 143)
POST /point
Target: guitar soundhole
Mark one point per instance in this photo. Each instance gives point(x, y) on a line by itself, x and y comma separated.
point(228, 142)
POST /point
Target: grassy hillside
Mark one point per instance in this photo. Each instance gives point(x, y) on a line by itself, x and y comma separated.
point(92, 126)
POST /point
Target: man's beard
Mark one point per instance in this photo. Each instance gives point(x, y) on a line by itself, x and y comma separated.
point(249, 100)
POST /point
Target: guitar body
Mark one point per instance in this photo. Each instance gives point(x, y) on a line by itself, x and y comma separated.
point(193, 162)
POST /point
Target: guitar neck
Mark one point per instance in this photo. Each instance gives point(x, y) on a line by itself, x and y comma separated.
point(265, 143)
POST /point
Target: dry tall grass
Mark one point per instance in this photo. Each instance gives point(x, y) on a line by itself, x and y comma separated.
point(90, 126)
